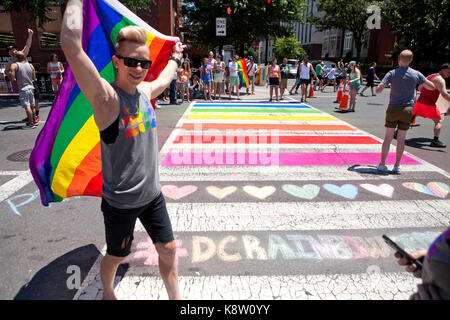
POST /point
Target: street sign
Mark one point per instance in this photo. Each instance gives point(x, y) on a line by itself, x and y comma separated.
point(221, 27)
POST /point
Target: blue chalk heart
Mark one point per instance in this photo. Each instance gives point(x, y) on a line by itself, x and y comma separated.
point(348, 191)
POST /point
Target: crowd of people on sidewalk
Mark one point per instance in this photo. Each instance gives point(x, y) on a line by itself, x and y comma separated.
point(215, 78)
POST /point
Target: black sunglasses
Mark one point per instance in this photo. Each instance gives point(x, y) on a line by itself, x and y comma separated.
point(133, 62)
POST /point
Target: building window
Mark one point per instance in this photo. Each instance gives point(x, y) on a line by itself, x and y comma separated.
point(332, 42)
point(348, 41)
point(6, 39)
point(49, 40)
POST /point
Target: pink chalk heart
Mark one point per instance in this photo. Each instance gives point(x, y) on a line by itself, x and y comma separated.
point(384, 189)
point(175, 193)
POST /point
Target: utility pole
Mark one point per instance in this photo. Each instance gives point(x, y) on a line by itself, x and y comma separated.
point(268, 4)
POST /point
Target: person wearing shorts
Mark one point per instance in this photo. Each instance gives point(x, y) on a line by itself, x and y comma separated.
point(371, 76)
point(129, 153)
point(319, 70)
point(403, 82)
point(55, 69)
point(331, 77)
point(274, 75)
point(206, 79)
point(219, 69)
point(234, 76)
point(252, 68)
point(426, 104)
point(185, 77)
point(23, 73)
point(284, 77)
point(306, 69)
point(355, 84)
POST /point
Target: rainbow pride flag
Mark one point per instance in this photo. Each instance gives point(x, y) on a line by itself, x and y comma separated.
point(65, 161)
point(243, 77)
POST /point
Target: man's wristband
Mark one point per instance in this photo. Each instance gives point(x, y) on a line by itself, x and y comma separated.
point(178, 61)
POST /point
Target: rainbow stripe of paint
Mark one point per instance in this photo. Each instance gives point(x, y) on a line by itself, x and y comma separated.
point(202, 123)
point(243, 78)
point(65, 161)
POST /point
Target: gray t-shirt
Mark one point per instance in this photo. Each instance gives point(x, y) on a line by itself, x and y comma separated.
point(403, 84)
point(24, 76)
point(130, 164)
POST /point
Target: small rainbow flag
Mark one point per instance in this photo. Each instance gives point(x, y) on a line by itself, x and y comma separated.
point(66, 161)
point(243, 78)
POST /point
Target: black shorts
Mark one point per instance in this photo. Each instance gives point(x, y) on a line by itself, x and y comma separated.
point(304, 81)
point(274, 82)
point(120, 223)
point(370, 83)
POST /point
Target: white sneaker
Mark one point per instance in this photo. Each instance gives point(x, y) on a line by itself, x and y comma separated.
point(382, 168)
point(396, 170)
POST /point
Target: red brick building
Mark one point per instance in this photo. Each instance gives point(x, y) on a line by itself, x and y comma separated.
point(164, 16)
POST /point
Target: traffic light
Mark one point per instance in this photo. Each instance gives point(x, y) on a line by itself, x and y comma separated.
point(269, 1)
point(228, 10)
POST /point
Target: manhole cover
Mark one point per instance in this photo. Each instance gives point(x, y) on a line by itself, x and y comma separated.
point(21, 156)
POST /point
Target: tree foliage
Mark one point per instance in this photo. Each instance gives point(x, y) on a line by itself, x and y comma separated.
point(349, 15)
point(247, 22)
point(41, 9)
point(36, 9)
point(288, 47)
point(421, 26)
point(138, 5)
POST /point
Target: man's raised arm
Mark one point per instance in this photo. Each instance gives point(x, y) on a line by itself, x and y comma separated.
point(155, 88)
point(26, 49)
point(98, 91)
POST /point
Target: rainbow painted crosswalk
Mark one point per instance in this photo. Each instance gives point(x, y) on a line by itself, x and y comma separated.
point(283, 201)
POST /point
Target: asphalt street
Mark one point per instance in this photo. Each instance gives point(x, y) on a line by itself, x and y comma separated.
point(301, 229)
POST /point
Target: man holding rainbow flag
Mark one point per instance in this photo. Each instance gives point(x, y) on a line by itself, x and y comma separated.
point(129, 147)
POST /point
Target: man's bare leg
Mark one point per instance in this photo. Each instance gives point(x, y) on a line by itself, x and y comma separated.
point(401, 135)
point(168, 268)
point(108, 269)
point(389, 135)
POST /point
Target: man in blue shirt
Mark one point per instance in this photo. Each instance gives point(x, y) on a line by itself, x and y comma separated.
point(403, 82)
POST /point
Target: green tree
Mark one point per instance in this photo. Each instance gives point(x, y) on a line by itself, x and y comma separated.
point(421, 26)
point(41, 9)
point(287, 47)
point(349, 15)
point(247, 22)
point(37, 9)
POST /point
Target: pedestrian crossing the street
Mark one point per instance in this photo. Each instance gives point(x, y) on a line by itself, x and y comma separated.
point(283, 201)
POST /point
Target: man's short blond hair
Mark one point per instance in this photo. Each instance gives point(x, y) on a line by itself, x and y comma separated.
point(406, 55)
point(131, 33)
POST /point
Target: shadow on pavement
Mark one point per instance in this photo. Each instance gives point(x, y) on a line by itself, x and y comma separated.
point(51, 282)
point(422, 143)
point(15, 127)
point(365, 169)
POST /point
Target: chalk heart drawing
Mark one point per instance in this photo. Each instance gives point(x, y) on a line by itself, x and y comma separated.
point(437, 189)
point(308, 191)
point(175, 193)
point(221, 193)
point(348, 191)
point(260, 193)
point(384, 189)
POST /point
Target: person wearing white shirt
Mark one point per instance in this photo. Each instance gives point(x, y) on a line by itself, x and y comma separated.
point(211, 64)
point(234, 76)
point(252, 71)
